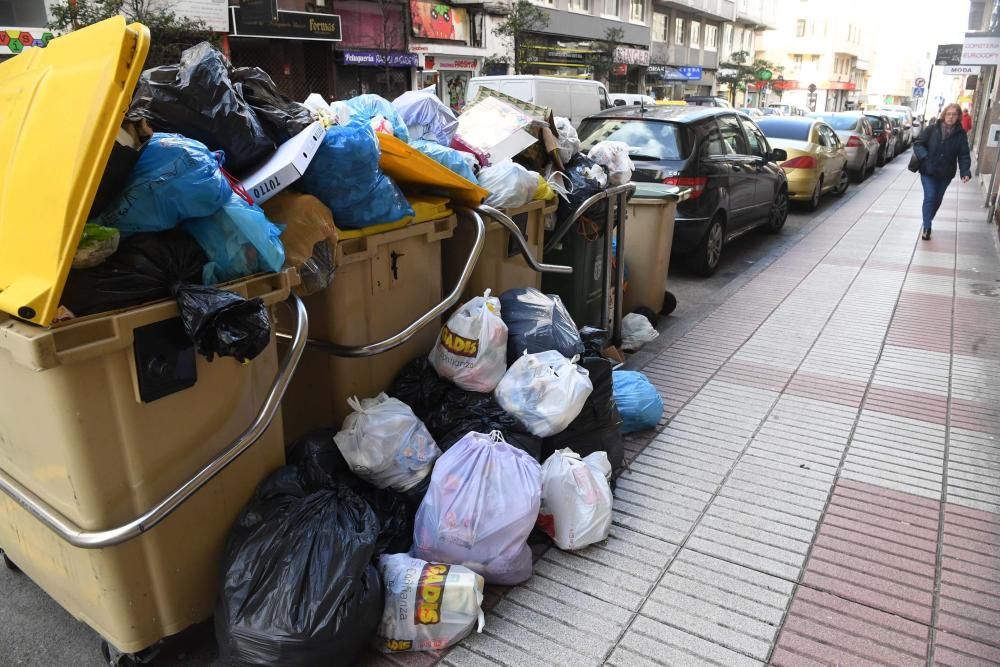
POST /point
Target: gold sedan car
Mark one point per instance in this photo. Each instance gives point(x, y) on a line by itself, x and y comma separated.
point(817, 158)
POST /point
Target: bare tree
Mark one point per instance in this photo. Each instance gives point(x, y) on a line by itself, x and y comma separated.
point(524, 20)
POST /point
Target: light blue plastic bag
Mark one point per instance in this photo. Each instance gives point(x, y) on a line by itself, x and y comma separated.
point(345, 175)
point(239, 241)
point(449, 157)
point(638, 401)
point(365, 107)
point(174, 179)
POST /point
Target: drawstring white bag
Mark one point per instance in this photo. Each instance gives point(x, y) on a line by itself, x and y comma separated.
point(613, 155)
point(576, 499)
point(428, 606)
point(479, 509)
point(510, 185)
point(545, 391)
point(385, 444)
point(568, 140)
point(472, 348)
point(636, 332)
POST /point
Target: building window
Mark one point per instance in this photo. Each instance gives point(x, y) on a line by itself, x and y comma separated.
point(727, 37)
point(711, 37)
point(695, 35)
point(800, 28)
point(679, 32)
point(610, 8)
point(580, 5)
point(660, 27)
point(638, 12)
point(748, 41)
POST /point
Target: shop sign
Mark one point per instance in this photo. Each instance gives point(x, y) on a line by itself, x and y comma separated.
point(259, 11)
point(454, 63)
point(947, 54)
point(214, 13)
point(980, 49)
point(692, 73)
point(15, 40)
point(436, 20)
point(621, 69)
point(631, 56)
point(290, 25)
point(961, 70)
point(377, 59)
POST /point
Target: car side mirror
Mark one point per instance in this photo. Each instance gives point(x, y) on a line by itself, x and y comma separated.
point(779, 155)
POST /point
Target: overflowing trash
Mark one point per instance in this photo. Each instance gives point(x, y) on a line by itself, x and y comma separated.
point(309, 237)
point(378, 113)
point(426, 116)
point(462, 163)
point(428, 606)
point(510, 184)
point(472, 348)
point(637, 331)
point(222, 323)
point(545, 391)
point(639, 404)
point(613, 155)
point(537, 322)
point(576, 499)
point(569, 141)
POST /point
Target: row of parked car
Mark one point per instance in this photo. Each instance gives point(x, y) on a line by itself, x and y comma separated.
point(744, 171)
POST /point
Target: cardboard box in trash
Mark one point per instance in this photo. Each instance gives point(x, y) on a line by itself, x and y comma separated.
point(492, 114)
point(287, 164)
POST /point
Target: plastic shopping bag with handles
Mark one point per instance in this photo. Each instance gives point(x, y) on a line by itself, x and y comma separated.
point(472, 348)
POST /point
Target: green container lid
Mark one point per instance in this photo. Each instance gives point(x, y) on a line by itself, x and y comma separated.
point(656, 191)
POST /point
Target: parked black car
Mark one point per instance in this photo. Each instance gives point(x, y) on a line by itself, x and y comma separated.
point(737, 184)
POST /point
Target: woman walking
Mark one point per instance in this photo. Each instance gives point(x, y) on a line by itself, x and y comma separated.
point(939, 148)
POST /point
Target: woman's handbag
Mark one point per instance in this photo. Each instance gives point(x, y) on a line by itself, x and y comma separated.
point(914, 165)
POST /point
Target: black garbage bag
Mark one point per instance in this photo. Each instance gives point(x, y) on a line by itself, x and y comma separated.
point(583, 189)
point(146, 267)
point(299, 587)
point(449, 412)
point(281, 116)
point(197, 98)
point(319, 459)
point(222, 323)
point(537, 322)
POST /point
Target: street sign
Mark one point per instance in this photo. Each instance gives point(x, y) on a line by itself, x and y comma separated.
point(920, 82)
point(919, 91)
point(812, 88)
point(949, 54)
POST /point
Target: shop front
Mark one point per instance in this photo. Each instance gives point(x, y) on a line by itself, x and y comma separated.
point(449, 75)
point(372, 56)
point(563, 58)
point(628, 74)
point(669, 82)
point(449, 42)
point(386, 74)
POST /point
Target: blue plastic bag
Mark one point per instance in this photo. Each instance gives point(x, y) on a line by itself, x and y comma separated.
point(174, 179)
point(346, 177)
point(449, 157)
point(639, 404)
point(365, 107)
point(239, 240)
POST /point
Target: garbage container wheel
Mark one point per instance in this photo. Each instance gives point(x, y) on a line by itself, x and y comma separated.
point(669, 303)
point(8, 563)
point(116, 658)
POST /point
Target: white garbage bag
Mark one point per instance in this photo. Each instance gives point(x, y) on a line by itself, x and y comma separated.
point(426, 116)
point(472, 348)
point(385, 444)
point(636, 332)
point(481, 505)
point(428, 606)
point(576, 499)
point(614, 156)
point(568, 140)
point(510, 185)
point(545, 391)
point(596, 172)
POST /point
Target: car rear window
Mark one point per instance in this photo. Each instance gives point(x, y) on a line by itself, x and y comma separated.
point(839, 122)
point(784, 128)
point(876, 122)
point(646, 139)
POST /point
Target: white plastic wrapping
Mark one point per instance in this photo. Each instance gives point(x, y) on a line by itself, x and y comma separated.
point(636, 332)
point(426, 116)
point(614, 156)
point(545, 391)
point(428, 606)
point(568, 140)
point(472, 348)
point(576, 499)
point(385, 444)
point(510, 185)
point(481, 504)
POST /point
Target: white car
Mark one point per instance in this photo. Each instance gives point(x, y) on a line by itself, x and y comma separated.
point(630, 99)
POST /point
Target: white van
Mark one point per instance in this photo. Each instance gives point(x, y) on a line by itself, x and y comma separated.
point(631, 99)
point(571, 98)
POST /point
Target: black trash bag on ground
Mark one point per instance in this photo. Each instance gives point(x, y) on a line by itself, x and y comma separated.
point(449, 412)
point(146, 267)
point(281, 116)
point(222, 323)
point(537, 322)
point(322, 464)
point(299, 587)
point(583, 189)
point(594, 341)
point(196, 98)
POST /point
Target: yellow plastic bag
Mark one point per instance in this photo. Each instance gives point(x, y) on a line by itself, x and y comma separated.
point(309, 237)
point(544, 190)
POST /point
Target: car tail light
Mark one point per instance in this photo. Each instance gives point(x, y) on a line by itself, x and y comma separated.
point(800, 162)
point(696, 183)
point(854, 142)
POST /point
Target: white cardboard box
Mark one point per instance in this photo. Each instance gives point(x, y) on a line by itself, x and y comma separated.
point(287, 164)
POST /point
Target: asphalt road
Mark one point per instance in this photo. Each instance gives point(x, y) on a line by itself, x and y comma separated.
point(36, 632)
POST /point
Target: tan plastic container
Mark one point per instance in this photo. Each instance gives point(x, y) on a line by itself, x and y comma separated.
point(383, 282)
point(501, 266)
point(648, 239)
point(75, 431)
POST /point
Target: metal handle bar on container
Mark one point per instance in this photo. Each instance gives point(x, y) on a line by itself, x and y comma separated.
point(515, 231)
point(98, 539)
point(371, 349)
point(564, 228)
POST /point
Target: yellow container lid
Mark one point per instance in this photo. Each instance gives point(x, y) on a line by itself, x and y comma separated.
point(61, 111)
point(412, 169)
point(425, 207)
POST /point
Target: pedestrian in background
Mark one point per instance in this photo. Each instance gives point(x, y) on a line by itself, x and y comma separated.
point(966, 121)
point(941, 146)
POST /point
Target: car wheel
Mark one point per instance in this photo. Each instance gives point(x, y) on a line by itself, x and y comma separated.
point(842, 183)
point(813, 202)
point(779, 212)
point(710, 249)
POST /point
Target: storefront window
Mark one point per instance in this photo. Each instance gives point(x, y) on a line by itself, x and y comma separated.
point(638, 11)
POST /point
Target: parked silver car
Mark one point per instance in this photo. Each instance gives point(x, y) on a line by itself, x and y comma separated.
point(906, 126)
point(858, 136)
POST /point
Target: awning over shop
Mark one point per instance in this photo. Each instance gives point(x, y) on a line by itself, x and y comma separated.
point(665, 73)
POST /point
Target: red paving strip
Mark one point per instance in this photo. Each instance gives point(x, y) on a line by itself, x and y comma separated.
point(827, 388)
point(952, 651)
point(907, 403)
point(922, 321)
point(975, 416)
point(970, 576)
